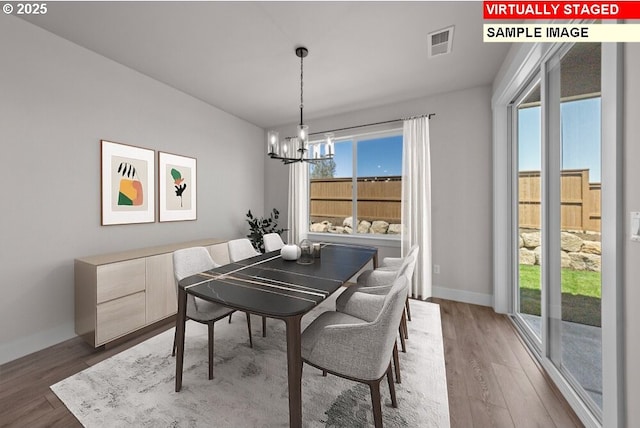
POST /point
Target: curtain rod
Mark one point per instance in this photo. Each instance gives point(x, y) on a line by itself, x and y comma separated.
point(428, 116)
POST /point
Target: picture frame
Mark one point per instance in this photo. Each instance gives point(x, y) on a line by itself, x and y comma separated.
point(127, 175)
point(177, 187)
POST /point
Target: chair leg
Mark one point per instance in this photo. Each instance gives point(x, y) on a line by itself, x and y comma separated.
point(210, 350)
point(249, 329)
point(403, 322)
point(404, 346)
point(175, 333)
point(392, 388)
point(375, 403)
point(396, 362)
point(324, 373)
point(408, 309)
point(230, 317)
point(264, 326)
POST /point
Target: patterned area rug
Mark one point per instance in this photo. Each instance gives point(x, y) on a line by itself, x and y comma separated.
point(136, 387)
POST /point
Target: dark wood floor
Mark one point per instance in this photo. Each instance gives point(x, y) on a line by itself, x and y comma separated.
point(492, 379)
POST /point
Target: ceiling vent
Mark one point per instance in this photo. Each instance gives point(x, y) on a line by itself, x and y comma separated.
point(440, 42)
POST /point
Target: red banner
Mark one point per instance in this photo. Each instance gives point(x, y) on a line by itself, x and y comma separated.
point(561, 10)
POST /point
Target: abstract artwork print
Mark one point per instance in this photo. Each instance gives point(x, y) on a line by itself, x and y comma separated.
point(177, 183)
point(130, 191)
point(127, 184)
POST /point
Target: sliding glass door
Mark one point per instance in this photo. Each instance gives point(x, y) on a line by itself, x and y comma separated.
point(528, 138)
point(574, 121)
point(556, 141)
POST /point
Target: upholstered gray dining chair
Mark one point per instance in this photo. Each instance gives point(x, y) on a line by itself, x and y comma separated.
point(272, 242)
point(359, 348)
point(395, 263)
point(240, 249)
point(379, 282)
point(190, 261)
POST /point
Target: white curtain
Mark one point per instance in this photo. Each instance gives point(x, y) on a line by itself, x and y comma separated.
point(298, 214)
point(416, 201)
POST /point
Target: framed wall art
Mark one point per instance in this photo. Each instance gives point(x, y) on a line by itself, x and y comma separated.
point(177, 185)
point(128, 184)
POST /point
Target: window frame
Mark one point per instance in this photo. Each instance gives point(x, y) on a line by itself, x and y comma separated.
point(355, 237)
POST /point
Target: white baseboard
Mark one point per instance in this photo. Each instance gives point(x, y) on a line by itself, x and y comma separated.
point(23, 346)
point(463, 296)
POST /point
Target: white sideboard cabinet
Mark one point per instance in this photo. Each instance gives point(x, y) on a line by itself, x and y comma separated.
point(119, 293)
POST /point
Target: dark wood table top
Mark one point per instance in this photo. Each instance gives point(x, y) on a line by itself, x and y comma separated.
point(270, 286)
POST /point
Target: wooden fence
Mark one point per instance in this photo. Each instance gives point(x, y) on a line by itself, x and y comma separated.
point(378, 199)
point(579, 204)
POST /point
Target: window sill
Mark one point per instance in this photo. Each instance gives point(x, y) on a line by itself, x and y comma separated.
point(372, 240)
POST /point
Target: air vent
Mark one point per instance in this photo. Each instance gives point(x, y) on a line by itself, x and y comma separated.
point(440, 42)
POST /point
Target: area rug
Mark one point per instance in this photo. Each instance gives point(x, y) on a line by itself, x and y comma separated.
point(136, 387)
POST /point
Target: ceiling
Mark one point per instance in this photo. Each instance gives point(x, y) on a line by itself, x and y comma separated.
point(239, 56)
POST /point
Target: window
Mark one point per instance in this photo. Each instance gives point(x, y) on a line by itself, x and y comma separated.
point(363, 181)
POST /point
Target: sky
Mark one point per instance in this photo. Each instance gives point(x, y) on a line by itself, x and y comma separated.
point(580, 137)
point(376, 157)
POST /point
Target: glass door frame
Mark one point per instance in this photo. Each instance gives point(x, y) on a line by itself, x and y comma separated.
point(522, 65)
point(532, 339)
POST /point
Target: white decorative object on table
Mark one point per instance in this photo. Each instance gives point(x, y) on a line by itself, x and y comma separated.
point(290, 252)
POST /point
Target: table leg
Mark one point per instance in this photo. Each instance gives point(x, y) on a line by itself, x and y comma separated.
point(375, 260)
point(294, 365)
point(180, 323)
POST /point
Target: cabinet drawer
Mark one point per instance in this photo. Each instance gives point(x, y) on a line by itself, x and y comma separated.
point(120, 316)
point(120, 279)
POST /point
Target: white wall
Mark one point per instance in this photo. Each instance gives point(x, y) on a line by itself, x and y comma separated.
point(631, 154)
point(57, 101)
point(461, 189)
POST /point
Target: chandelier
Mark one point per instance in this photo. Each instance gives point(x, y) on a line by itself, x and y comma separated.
point(296, 149)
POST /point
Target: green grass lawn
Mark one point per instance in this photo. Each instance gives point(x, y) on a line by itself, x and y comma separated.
point(580, 294)
point(577, 282)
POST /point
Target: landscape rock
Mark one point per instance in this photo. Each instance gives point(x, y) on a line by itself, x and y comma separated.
point(585, 261)
point(380, 227)
point(591, 247)
point(394, 229)
point(364, 227)
point(320, 227)
point(527, 257)
point(531, 239)
point(570, 242)
point(348, 222)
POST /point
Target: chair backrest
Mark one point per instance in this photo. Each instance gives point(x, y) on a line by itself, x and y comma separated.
point(272, 242)
point(240, 249)
point(410, 261)
point(386, 326)
point(189, 261)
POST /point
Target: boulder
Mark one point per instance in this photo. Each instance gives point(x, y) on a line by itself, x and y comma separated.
point(394, 229)
point(531, 239)
point(570, 242)
point(347, 230)
point(348, 222)
point(565, 260)
point(538, 253)
point(591, 247)
point(336, 229)
point(520, 242)
point(320, 227)
point(364, 226)
point(527, 257)
point(585, 261)
point(380, 227)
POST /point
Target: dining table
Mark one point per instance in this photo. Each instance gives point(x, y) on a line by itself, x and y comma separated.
point(269, 286)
